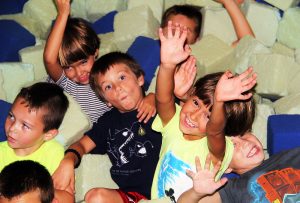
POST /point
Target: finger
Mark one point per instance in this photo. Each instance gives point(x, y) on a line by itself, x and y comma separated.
point(143, 116)
point(221, 182)
point(177, 30)
point(149, 115)
point(170, 33)
point(190, 173)
point(161, 34)
point(72, 185)
point(198, 164)
point(217, 167)
point(183, 34)
point(207, 161)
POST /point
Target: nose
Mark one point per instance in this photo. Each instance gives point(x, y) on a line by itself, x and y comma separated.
point(195, 114)
point(78, 71)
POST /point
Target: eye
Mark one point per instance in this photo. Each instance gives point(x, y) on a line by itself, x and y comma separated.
point(25, 126)
point(196, 103)
point(83, 62)
point(107, 87)
point(10, 116)
point(122, 77)
point(67, 68)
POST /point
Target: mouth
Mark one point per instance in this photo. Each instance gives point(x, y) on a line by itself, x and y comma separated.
point(189, 123)
point(83, 78)
point(253, 152)
point(10, 139)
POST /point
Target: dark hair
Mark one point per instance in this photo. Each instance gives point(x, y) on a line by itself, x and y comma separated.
point(105, 62)
point(25, 176)
point(47, 96)
point(191, 11)
point(79, 42)
point(239, 113)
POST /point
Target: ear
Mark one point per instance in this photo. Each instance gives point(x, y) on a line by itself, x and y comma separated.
point(96, 54)
point(50, 134)
point(228, 170)
point(141, 80)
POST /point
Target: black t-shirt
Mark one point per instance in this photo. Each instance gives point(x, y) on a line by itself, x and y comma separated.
point(277, 179)
point(132, 147)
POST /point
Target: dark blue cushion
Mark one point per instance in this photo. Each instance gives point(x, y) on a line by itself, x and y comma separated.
point(13, 37)
point(146, 52)
point(105, 24)
point(11, 6)
point(4, 109)
point(283, 132)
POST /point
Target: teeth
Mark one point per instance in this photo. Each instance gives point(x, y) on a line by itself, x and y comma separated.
point(189, 123)
point(252, 152)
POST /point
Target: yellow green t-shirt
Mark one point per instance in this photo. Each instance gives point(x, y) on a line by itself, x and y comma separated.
point(178, 154)
point(49, 155)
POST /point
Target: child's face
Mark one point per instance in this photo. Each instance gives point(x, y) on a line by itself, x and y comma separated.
point(194, 116)
point(248, 153)
point(121, 88)
point(79, 71)
point(31, 196)
point(185, 21)
point(24, 128)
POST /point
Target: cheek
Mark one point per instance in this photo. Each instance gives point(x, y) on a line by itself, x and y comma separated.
point(70, 73)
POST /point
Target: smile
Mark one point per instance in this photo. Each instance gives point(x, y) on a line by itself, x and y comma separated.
point(189, 123)
point(252, 152)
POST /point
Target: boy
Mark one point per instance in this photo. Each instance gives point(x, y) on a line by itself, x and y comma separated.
point(133, 147)
point(31, 125)
point(34, 184)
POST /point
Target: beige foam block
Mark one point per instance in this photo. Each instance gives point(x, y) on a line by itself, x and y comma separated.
point(170, 3)
point(93, 172)
point(212, 55)
point(279, 48)
point(204, 3)
point(259, 127)
point(217, 22)
point(289, 28)
point(95, 12)
point(107, 43)
point(43, 12)
point(34, 55)
point(74, 125)
point(288, 105)
point(78, 9)
point(2, 91)
point(283, 4)
point(15, 76)
point(245, 48)
point(263, 20)
point(294, 79)
point(275, 73)
point(297, 55)
point(155, 5)
point(138, 21)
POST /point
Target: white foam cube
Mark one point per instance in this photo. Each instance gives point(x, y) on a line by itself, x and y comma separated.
point(263, 20)
point(212, 55)
point(217, 22)
point(283, 4)
point(107, 43)
point(138, 21)
point(2, 91)
point(155, 5)
point(246, 47)
point(34, 56)
point(274, 73)
point(170, 3)
point(279, 48)
point(204, 3)
point(93, 172)
point(288, 105)
point(289, 28)
point(15, 76)
point(43, 12)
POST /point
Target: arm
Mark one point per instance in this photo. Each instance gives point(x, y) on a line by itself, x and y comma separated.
point(147, 109)
point(239, 21)
point(228, 88)
point(64, 176)
point(172, 52)
point(54, 40)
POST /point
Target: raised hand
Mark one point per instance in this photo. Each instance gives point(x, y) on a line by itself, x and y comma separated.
point(63, 6)
point(204, 179)
point(173, 49)
point(231, 87)
point(147, 108)
point(184, 77)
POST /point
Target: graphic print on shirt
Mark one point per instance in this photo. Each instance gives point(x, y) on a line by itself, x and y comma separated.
point(123, 144)
point(172, 173)
point(276, 186)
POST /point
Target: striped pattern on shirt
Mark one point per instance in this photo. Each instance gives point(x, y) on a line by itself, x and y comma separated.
point(85, 96)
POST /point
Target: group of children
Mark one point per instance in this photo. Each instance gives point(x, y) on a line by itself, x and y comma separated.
point(150, 155)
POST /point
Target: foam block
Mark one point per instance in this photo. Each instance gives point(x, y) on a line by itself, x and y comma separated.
point(263, 20)
point(14, 38)
point(74, 125)
point(283, 5)
point(212, 54)
point(297, 55)
point(204, 3)
point(246, 47)
point(15, 76)
point(11, 6)
point(279, 48)
point(34, 56)
point(107, 43)
point(2, 91)
point(155, 5)
point(170, 3)
point(145, 24)
point(217, 22)
point(4, 109)
point(288, 105)
point(98, 166)
point(283, 132)
point(146, 52)
point(105, 24)
point(289, 28)
point(275, 73)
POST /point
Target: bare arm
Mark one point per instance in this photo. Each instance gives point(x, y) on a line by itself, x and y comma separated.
point(54, 40)
point(172, 52)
